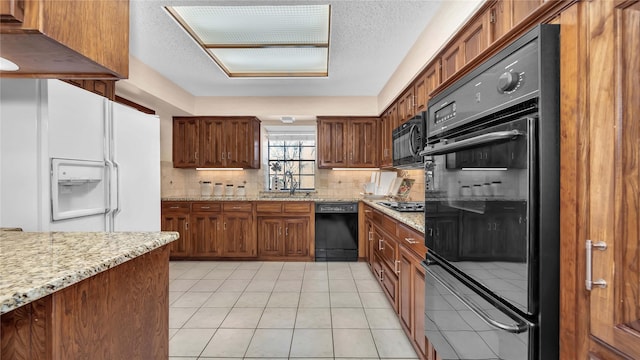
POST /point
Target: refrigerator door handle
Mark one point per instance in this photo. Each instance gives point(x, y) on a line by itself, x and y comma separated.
point(117, 178)
point(517, 328)
point(109, 209)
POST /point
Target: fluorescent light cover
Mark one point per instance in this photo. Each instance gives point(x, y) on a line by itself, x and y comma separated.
point(261, 41)
point(219, 169)
point(356, 169)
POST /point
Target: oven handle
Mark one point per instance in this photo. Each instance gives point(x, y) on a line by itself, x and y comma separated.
point(472, 142)
point(520, 327)
point(414, 128)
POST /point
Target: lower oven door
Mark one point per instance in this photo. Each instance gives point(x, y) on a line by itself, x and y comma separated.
point(463, 322)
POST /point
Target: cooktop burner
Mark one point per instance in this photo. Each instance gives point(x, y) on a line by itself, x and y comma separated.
point(404, 206)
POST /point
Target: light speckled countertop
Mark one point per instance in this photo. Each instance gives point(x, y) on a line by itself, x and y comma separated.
point(314, 198)
point(35, 265)
point(414, 220)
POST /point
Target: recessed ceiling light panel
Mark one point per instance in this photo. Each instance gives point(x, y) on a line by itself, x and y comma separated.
point(259, 41)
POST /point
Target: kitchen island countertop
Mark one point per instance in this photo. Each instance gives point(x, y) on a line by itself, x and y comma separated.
point(35, 265)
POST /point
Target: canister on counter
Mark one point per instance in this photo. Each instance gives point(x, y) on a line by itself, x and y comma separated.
point(228, 190)
point(205, 188)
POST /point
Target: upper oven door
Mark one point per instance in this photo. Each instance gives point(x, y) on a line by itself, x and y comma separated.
point(479, 211)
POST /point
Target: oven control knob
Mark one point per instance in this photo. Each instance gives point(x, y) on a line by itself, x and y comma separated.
point(508, 81)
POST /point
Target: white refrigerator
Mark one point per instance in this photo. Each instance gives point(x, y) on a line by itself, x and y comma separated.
point(71, 160)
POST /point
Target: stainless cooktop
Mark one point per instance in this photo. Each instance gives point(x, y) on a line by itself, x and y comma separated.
point(404, 206)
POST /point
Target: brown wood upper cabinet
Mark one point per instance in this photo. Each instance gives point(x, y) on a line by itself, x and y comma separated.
point(216, 142)
point(66, 39)
point(388, 123)
point(505, 14)
point(348, 142)
point(406, 105)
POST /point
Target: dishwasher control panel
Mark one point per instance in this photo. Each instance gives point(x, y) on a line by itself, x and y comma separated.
point(336, 208)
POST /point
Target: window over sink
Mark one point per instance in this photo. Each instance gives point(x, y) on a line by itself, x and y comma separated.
point(291, 158)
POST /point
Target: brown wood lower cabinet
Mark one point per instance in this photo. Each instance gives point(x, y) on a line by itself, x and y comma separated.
point(285, 230)
point(121, 313)
point(395, 256)
point(269, 230)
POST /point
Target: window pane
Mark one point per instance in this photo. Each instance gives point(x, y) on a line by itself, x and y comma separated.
point(307, 182)
point(276, 153)
point(308, 153)
point(307, 167)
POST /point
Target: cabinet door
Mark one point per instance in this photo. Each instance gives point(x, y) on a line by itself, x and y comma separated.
point(332, 143)
point(368, 240)
point(239, 238)
point(420, 91)
point(297, 236)
point(405, 279)
point(520, 9)
point(451, 61)
point(271, 239)
point(474, 40)
point(206, 234)
point(212, 143)
point(613, 178)
point(418, 294)
point(390, 122)
point(432, 75)
point(241, 143)
point(363, 149)
point(406, 106)
point(179, 223)
point(499, 19)
point(186, 143)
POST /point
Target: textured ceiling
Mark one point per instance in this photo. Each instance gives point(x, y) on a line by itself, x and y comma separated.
point(369, 39)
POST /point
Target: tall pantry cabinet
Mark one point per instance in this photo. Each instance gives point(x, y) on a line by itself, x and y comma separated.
point(600, 184)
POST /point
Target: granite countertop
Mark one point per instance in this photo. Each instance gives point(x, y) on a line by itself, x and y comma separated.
point(35, 265)
point(296, 197)
point(414, 220)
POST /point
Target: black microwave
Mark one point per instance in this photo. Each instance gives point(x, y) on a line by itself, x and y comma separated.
point(408, 141)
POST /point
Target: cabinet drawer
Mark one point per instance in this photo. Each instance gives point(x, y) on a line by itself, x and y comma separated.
point(368, 212)
point(297, 207)
point(412, 239)
point(238, 206)
point(389, 225)
point(206, 207)
point(269, 207)
point(175, 206)
point(388, 253)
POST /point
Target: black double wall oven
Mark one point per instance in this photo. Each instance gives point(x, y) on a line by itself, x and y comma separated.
point(492, 207)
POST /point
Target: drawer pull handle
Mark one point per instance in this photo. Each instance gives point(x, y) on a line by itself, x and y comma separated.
point(175, 207)
point(380, 244)
point(205, 207)
point(395, 265)
point(411, 240)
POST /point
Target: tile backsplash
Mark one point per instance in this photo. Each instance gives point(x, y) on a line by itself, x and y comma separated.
point(338, 184)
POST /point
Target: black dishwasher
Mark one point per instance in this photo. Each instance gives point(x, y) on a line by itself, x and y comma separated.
point(336, 231)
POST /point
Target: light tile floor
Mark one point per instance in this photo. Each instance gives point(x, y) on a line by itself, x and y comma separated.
point(280, 310)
